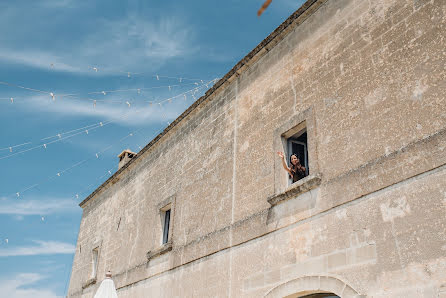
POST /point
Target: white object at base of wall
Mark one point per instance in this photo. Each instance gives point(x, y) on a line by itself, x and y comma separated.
point(106, 289)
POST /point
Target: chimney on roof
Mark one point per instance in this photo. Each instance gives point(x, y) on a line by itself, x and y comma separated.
point(124, 157)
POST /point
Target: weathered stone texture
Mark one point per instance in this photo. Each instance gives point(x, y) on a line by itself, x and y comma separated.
point(368, 78)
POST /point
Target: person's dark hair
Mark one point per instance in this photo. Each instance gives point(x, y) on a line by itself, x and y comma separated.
point(291, 164)
point(296, 169)
point(293, 167)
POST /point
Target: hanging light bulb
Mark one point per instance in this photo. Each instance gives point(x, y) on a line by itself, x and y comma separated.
point(58, 174)
point(157, 78)
point(128, 103)
point(18, 194)
point(10, 149)
point(44, 145)
point(43, 218)
point(97, 156)
point(100, 123)
point(12, 100)
point(86, 131)
point(52, 96)
point(95, 69)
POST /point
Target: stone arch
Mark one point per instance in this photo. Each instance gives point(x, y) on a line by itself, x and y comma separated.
point(313, 284)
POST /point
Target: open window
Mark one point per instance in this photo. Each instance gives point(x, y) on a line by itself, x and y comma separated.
point(167, 215)
point(297, 145)
point(166, 225)
point(166, 221)
point(297, 135)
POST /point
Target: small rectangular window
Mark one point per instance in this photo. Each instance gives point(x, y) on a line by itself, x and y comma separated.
point(94, 263)
point(166, 226)
point(297, 145)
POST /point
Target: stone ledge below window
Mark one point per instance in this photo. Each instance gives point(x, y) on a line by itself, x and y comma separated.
point(160, 251)
point(89, 282)
point(295, 189)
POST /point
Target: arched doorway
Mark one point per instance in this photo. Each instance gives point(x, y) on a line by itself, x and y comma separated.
point(321, 295)
point(314, 287)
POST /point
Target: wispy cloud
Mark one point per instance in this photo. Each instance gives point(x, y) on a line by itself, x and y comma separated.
point(118, 43)
point(38, 59)
point(38, 248)
point(36, 207)
point(119, 113)
point(24, 286)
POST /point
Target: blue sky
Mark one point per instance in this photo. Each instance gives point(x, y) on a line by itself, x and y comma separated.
point(82, 48)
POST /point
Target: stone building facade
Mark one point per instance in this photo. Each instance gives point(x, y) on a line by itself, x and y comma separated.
point(364, 82)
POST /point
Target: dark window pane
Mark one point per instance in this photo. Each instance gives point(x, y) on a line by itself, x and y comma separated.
point(166, 226)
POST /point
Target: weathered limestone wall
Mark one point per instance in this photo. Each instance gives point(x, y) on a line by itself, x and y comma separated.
point(368, 79)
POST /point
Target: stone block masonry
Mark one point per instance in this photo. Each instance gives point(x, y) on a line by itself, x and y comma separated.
point(366, 79)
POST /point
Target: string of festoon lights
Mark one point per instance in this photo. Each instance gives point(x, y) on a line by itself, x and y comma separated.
point(54, 95)
point(100, 124)
point(109, 172)
point(129, 102)
point(93, 157)
point(86, 129)
point(104, 92)
point(18, 194)
point(130, 74)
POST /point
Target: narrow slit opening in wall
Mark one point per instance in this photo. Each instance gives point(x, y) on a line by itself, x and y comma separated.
point(297, 144)
point(166, 225)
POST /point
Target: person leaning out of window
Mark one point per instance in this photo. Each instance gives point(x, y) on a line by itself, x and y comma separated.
point(295, 170)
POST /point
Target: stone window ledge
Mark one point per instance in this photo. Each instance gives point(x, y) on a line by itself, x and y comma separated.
point(89, 282)
point(160, 251)
point(306, 184)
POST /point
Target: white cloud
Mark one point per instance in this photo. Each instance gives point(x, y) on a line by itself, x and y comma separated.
point(38, 59)
point(20, 208)
point(131, 44)
point(39, 248)
point(118, 113)
point(21, 286)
